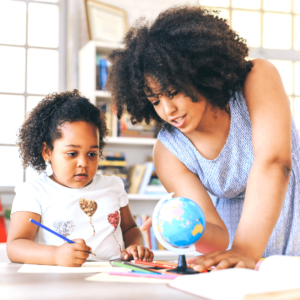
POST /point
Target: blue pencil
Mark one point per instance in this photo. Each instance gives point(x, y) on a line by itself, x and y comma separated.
point(55, 233)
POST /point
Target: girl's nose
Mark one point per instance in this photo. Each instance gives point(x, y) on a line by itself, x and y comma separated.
point(82, 162)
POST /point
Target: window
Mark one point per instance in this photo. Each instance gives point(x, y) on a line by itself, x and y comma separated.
point(31, 67)
point(272, 31)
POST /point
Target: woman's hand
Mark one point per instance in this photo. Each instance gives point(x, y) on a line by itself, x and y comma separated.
point(147, 225)
point(137, 252)
point(72, 255)
point(221, 260)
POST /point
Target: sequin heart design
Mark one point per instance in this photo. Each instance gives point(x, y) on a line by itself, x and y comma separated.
point(64, 227)
point(114, 219)
point(89, 207)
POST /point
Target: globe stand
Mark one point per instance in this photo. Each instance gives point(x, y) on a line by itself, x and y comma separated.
point(182, 267)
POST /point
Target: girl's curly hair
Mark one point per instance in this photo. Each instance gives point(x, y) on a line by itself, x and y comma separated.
point(186, 46)
point(44, 121)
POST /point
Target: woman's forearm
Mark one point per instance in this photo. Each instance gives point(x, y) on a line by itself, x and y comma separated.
point(265, 194)
point(214, 238)
point(30, 252)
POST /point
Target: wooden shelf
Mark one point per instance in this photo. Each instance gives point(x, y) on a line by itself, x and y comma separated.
point(130, 141)
point(144, 197)
point(102, 94)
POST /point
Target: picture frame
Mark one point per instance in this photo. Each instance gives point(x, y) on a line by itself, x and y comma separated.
point(105, 22)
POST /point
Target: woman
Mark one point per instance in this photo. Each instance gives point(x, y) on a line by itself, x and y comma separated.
point(227, 131)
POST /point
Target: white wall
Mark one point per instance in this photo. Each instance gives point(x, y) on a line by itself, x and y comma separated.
point(135, 9)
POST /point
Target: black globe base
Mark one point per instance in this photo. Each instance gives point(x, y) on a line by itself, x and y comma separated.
point(182, 267)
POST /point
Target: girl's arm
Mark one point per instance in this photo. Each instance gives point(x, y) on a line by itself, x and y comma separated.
point(269, 176)
point(133, 238)
point(177, 178)
point(22, 248)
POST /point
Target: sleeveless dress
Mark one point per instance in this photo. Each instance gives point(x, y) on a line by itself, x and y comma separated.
point(226, 177)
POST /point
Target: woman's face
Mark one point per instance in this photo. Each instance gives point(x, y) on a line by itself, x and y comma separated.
point(176, 108)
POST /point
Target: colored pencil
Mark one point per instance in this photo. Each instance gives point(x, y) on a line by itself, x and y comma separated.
point(54, 232)
point(144, 275)
point(155, 264)
point(131, 267)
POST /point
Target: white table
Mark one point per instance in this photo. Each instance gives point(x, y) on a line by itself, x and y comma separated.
point(24, 286)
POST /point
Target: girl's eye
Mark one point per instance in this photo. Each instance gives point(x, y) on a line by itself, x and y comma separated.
point(72, 154)
point(155, 103)
point(93, 154)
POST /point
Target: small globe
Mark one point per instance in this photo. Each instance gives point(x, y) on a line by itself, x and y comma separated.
point(179, 221)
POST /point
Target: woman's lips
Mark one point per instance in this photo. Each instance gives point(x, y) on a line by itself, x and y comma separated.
point(180, 124)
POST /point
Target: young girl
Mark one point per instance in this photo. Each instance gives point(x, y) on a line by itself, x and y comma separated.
point(67, 131)
point(228, 132)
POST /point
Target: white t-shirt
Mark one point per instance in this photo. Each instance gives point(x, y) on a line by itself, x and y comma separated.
point(77, 213)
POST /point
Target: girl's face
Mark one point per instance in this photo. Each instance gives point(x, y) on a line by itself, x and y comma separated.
point(74, 158)
point(176, 108)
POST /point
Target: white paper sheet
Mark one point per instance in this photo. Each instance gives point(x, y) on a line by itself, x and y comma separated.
point(277, 273)
point(87, 267)
point(104, 277)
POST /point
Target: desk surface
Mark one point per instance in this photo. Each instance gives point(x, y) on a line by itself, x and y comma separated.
point(24, 286)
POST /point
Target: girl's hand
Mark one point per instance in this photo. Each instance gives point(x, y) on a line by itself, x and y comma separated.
point(147, 225)
point(72, 255)
point(221, 260)
point(137, 252)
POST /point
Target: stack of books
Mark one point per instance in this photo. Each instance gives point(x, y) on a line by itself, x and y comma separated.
point(114, 163)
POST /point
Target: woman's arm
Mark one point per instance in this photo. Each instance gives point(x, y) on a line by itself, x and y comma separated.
point(133, 238)
point(176, 178)
point(270, 117)
point(22, 248)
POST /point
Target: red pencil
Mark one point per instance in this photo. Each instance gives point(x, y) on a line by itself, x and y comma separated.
point(164, 265)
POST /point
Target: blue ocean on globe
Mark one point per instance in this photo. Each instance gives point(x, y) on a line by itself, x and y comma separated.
point(181, 222)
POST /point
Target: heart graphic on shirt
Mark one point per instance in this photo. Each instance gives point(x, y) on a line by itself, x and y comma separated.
point(64, 227)
point(114, 219)
point(89, 207)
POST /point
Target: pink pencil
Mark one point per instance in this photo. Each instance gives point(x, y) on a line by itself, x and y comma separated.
point(143, 275)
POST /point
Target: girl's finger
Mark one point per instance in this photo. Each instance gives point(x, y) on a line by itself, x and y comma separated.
point(125, 255)
point(146, 254)
point(151, 256)
point(134, 253)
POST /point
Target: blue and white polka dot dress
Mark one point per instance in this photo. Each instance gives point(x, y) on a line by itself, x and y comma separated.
point(226, 177)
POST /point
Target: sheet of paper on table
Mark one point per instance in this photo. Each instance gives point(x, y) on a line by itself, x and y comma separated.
point(88, 267)
point(104, 277)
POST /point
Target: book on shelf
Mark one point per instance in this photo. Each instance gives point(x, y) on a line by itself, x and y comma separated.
point(136, 175)
point(150, 240)
point(106, 107)
point(114, 163)
point(102, 65)
point(150, 184)
point(141, 130)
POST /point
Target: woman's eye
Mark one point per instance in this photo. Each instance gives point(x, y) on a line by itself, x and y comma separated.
point(155, 103)
point(72, 154)
point(173, 94)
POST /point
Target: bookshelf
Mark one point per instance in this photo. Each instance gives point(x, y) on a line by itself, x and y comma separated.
point(136, 149)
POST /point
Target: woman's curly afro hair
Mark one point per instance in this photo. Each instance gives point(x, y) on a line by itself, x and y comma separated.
point(184, 47)
point(44, 121)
